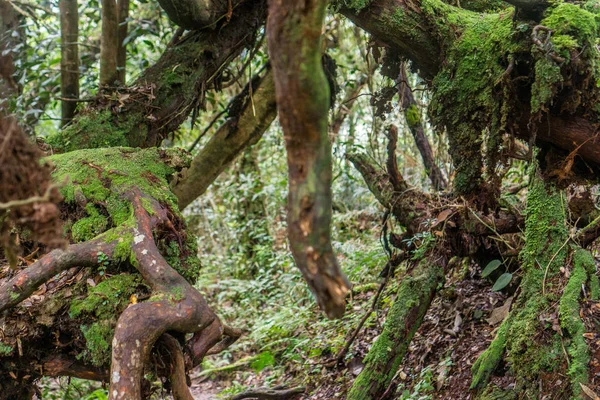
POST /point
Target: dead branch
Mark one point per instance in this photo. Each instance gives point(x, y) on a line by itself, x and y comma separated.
point(396, 178)
point(269, 394)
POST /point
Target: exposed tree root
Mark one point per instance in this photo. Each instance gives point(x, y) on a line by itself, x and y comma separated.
point(177, 376)
point(28, 280)
point(174, 306)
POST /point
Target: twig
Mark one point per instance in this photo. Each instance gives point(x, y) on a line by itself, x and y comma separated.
point(34, 199)
point(339, 358)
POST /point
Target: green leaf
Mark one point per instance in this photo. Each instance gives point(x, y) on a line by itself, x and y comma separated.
point(263, 360)
point(502, 282)
point(491, 267)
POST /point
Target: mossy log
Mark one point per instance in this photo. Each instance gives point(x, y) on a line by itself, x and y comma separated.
point(415, 294)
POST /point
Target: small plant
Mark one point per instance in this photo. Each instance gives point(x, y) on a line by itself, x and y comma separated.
point(102, 263)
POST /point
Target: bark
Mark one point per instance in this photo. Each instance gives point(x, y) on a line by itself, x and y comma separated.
point(141, 324)
point(9, 23)
point(239, 132)
point(109, 43)
point(27, 281)
point(156, 104)
point(122, 48)
point(197, 14)
point(302, 91)
point(414, 29)
point(404, 318)
point(409, 107)
point(406, 27)
point(69, 58)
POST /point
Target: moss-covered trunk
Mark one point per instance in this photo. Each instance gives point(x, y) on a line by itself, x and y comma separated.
point(542, 338)
point(144, 113)
point(415, 294)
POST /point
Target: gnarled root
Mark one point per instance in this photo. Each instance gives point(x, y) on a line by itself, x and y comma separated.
point(179, 307)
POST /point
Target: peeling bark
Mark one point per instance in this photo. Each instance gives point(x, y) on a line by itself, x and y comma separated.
point(294, 32)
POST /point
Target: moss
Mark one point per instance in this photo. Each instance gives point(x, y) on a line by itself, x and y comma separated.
point(404, 318)
point(530, 353)
point(413, 117)
point(92, 130)
point(488, 361)
point(547, 77)
point(584, 258)
point(5, 349)
point(355, 5)
point(572, 324)
point(98, 338)
point(89, 227)
point(493, 392)
point(108, 298)
point(467, 99)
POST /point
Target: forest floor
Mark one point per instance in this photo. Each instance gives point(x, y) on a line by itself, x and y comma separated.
point(458, 327)
point(288, 341)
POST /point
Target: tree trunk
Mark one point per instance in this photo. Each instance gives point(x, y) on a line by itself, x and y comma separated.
point(543, 334)
point(122, 48)
point(166, 93)
point(69, 61)
point(9, 23)
point(109, 43)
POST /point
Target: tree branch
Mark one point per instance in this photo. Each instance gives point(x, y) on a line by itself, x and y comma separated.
point(258, 112)
point(408, 105)
point(294, 39)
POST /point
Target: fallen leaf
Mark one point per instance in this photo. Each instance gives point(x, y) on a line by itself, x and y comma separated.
point(499, 313)
point(589, 392)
